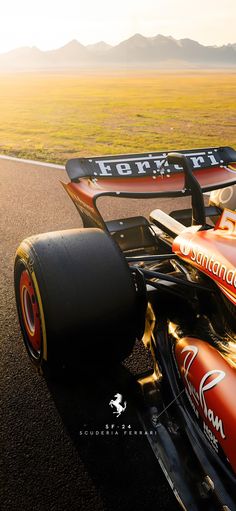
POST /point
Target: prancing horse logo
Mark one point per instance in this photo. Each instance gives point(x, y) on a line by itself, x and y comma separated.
point(117, 404)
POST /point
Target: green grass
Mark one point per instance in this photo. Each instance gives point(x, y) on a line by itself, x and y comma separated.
point(54, 117)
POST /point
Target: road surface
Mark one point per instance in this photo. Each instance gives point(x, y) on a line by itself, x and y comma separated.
point(46, 463)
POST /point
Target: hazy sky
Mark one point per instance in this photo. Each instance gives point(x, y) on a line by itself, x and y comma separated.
point(51, 23)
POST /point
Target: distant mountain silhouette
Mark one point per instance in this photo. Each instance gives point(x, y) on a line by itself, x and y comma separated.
point(136, 51)
point(22, 57)
point(145, 49)
point(72, 52)
point(161, 49)
point(100, 47)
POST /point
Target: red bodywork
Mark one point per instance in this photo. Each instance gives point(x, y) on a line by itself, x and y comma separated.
point(210, 382)
point(86, 191)
point(213, 252)
point(208, 375)
point(156, 183)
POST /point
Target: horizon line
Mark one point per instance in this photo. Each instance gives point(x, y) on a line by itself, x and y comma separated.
point(114, 45)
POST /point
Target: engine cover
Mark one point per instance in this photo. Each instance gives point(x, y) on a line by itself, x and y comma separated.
point(212, 251)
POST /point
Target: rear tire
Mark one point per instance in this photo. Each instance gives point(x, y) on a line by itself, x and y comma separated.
point(76, 299)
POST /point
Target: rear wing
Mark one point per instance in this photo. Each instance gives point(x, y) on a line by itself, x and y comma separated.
point(146, 175)
point(150, 164)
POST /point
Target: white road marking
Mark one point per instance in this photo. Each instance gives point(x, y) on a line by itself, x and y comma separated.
point(32, 162)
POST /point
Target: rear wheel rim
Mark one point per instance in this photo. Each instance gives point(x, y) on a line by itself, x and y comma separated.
point(30, 313)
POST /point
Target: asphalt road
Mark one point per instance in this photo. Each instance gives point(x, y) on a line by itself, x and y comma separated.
point(47, 464)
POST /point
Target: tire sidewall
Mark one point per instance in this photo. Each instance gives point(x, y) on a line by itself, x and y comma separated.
point(22, 263)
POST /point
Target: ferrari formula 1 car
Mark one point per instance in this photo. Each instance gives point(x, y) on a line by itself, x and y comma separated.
point(85, 295)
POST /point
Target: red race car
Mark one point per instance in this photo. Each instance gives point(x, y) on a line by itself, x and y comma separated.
point(85, 295)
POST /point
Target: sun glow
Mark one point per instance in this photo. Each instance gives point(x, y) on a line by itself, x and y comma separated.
point(49, 25)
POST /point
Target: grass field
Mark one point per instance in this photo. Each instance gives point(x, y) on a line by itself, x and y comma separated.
point(53, 117)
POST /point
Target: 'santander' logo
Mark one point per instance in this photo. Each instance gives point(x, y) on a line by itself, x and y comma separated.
point(208, 263)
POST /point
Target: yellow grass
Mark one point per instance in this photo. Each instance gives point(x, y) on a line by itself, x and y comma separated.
point(54, 117)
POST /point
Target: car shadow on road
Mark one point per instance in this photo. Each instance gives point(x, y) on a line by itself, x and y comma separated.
point(113, 450)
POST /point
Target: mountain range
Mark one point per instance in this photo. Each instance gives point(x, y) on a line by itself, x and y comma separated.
point(137, 51)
